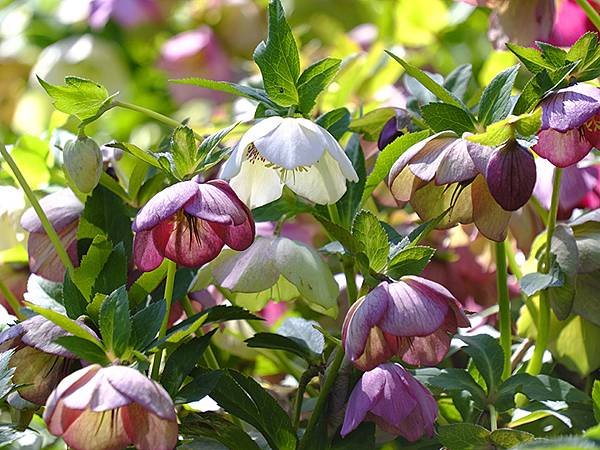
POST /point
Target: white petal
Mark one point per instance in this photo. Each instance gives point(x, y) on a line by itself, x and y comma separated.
point(292, 144)
point(256, 185)
point(335, 150)
point(323, 183)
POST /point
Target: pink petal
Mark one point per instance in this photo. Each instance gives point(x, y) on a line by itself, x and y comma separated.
point(570, 107)
point(97, 431)
point(562, 149)
point(148, 431)
point(43, 259)
point(145, 254)
point(61, 207)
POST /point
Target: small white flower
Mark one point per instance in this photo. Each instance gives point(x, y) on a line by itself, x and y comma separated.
point(295, 152)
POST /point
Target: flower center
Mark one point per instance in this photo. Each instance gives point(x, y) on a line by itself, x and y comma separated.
point(192, 223)
point(254, 156)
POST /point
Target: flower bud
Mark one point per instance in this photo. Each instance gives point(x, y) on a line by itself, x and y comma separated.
point(393, 128)
point(83, 163)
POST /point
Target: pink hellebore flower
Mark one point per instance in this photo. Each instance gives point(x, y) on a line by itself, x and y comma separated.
point(410, 318)
point(40, 364)
point(127, 13)
point(63, 209)
point(570, 24)
point(393, 399)
point(110, 408)
point(194, 53)
point(570, 124)
point(189, 223)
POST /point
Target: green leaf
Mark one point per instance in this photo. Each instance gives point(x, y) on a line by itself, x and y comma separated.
point(555, 56)
point(288, 205)
point(114, 272)
point(314, 80)
point(442, 117)
point(304, 332)
point(209, 154)
point(508, 438)
point(495, 102)
point(586, 50)
point(259, 409)
point(65, 323)
point(487, 356)
point(387, 158)
point(410, 261)
point(349, 241)
point(115, 325)
point(458, 80)
point(532, 283)
point(216, 427)
point(84, 349)
point(453, 380)
point(201, 385)
point(91, 265)
point(238, 90)
point(371, 123)
point(463, 436)
point(349, 204)
point(6, 373)
point(542, 83)
point(79, 97)
point(560, 443)
point(530, 57)
point(595, 399)
point(146, 284)
point(183, 148)
point(278, 59)
point(147, 157)
point(363, 438)
point(367, 230)
point(279, 342)
point(182, 361)
point(585, 296)
point(73, 300)
point(439, 91)
point(335, 121)
point(146, 323)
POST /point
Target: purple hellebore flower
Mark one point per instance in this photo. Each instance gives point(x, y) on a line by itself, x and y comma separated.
point(410, 318)
point(393, 128)
point(110, 408)
point(570, 124)
point(393, 399)
point(194, 53)
point(189, 223)
point(63, 209)
point(127, 13)
point(40, 364)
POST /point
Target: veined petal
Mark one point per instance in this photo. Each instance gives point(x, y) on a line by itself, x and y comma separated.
point(430, 201)
point(338, 153)
point(489, 217)
point(405, 184)
point(457, 165)
point(570, 107)
point(216, 202)
point(62, 208)
point(148, 431)
point(426, 162)
point(322, 183)
point(164, 205)
point(96, 431)
point(427, 350)
point(145, 254)
point(562, 149)
point(256, 185)
point(396, 403)
point(43, 259)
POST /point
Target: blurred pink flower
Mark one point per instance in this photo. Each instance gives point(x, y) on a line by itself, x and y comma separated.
point(273, 311)
point(194, 53)
point(127, 13)
point(570, 24)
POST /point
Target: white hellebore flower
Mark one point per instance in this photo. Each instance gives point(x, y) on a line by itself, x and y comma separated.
point(289, 151)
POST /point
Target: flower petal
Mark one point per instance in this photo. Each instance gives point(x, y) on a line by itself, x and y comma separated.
point(489, 217)
point(256, 185)
point(164, 205)
point(96, 431)
point(430, 201)
point(43, 259)
point(562, 149)
point(216, 202)
point(570, 107)
point(145, 254)
point(457, 165)
point(426, 162)
point(148, 431)
point(61, 208)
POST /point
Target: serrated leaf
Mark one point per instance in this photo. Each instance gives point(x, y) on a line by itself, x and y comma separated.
point(216, 427)
point(371, 123)
point(84, 349)
point(304, 332)
point(91, 265)
point(555, 56)
point(508, 438)
point(238, 90)
point(463, 436)
point(6, 373)
point(146, 323)
point(314, 80)
point(183, 148)
point(410, 261)
point(367, 230)
point(458, 80)
point(278, 58)
point(495, 102)
point(208, 153)
point(134, 150)
point(530, 57)
point(79, 97)
point(487, 356)
point(65, 323)
point(443, 117)
point(387, 158)
point(288, 204)
point(453, 380)
point(73, 300)
point(115, 325)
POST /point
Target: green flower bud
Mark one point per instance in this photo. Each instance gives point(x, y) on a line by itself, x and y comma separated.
point(83, 163)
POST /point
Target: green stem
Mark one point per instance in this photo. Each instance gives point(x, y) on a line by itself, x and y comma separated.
point(351, 289)
point(512, 262)
point(504, 307)
point(330, 378)
point(308, 374)
point(153, 115)
point(543, 326)
point(493, 417)
point(12, 301)
point(334, 214)
point(590, 12)
point(209, 357)
point(48, 228)
point(171, 269)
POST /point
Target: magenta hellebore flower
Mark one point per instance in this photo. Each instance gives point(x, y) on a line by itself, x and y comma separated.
point(411, 318)
point(570, 24)
point(110, 408)
point(63, 209)
point(127, 13)
point(570, 124)
point(189, 223)
point(39, 363)
point(392, 398)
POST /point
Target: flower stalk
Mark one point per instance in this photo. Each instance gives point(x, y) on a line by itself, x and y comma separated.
point(590, 12)
point(48, 228)
point(543, 326)
point(171, 269)
point(209, 357)
point(504, 307)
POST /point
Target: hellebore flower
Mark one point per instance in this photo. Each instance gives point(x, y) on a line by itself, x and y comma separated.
point(40, 364)
point(393, 128)
point(570, 124)
point(63, 209)
point(295, 152)
point(127, 13)
point(392, 398)
point(189, 223)
point(571, 23)
point(105, 408)
point(194, 53)
point(275, 268)
point(410, 318)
